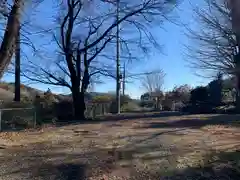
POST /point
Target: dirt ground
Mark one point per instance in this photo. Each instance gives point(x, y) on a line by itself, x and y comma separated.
point(142, 147)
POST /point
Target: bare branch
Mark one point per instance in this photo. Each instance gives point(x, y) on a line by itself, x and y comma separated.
point(213, 45)
point(153, 81)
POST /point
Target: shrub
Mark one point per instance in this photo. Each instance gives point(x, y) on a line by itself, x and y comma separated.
point(148, 104)
point(63, 111)
point(198, 108)
point(44, 106)
point(102, 99)
point(130, 106)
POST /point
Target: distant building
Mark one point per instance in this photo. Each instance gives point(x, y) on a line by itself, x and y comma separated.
point(156, 97)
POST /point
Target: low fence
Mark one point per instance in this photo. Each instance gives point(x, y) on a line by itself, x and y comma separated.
point(18, 117)
point(96, 109)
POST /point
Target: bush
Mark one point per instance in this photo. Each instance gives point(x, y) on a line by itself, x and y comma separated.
point(226, 109)
point(63, 111)
point(102, 99)
point(167, 108)
point(129, 107)
point(199, 108)
point(147, 104)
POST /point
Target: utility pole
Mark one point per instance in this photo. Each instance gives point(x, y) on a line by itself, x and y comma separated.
point(17, 96)
point(118, 77)
point(124, 79)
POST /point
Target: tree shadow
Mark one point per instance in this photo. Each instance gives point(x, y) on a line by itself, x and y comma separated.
point(135, 116)
point(42, 161)
point(220, 165)
point(214, 165)
point(74, 166)
point(62, 171)
point(197, 123)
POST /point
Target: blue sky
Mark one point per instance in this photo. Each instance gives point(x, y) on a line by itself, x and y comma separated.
point(172, 60)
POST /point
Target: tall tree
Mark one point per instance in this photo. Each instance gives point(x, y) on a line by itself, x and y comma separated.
point(153, 82)
point(9, 39)
point(213, 44)
point(216, 43)
point(83, 36)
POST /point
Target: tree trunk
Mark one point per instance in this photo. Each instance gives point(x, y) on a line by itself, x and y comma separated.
point(17, 68)
point(238, 93)
point(237, 61)
point(8, 43)
point(78, 105)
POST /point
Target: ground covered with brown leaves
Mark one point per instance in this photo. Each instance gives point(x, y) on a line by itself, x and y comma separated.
point(159, 146)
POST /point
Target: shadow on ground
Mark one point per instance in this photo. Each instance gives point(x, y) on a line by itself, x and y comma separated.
point(220, 166)
point(125, 116)
point(62, 162)
point(196, 123)
point(66, 171)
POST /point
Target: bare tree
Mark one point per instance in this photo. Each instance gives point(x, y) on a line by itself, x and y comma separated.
point(213, 44)
point(153, 83)
point(84, 37)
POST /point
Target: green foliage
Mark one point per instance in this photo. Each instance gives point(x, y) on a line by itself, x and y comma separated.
point(130, 106)
point(102, 98)
point(199, 95)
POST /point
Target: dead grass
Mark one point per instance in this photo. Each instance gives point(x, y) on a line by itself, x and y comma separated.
point(146, 148)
